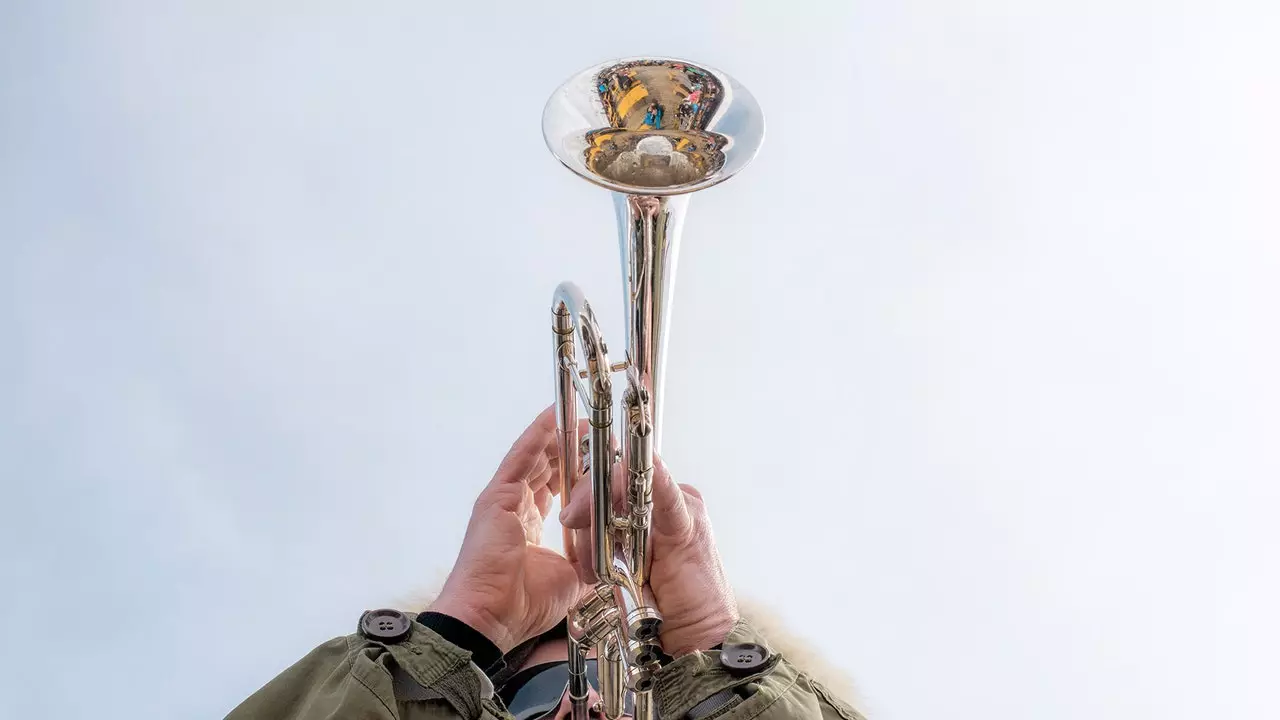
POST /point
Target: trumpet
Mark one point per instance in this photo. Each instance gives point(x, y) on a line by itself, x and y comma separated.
point(652, 131)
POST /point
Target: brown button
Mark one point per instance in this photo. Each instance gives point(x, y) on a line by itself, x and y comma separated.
point(744, 658)
point(385, 625)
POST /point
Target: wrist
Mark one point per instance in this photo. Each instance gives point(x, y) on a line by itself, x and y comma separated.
point(479, 620)
point(486, 655)
point(701, 637)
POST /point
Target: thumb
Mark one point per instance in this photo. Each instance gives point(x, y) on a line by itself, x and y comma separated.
point(671, 515)
point(550, 577)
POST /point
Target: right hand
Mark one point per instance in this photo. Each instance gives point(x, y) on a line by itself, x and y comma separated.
point(689, 586)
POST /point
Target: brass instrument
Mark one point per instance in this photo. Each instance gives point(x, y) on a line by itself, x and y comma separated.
point(652, 131)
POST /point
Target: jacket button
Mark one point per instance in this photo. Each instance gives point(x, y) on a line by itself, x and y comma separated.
point(743, 658)
point(385, 625)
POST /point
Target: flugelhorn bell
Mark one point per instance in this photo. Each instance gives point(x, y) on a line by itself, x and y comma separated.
point(602, 124)
point(652, 130)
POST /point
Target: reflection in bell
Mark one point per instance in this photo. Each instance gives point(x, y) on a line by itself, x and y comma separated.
point(654, 163)
point(653, 126)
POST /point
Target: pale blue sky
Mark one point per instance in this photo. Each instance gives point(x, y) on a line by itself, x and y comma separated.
point(976, 364)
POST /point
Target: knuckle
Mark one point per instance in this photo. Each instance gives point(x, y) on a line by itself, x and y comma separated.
point(691, 490)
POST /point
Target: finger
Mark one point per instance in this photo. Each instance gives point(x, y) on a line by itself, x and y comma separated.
point(671, 514)
point(532, 529)
point(542, 498)
point(535, 475)
point(528, 457)
point(552, 452)
point(691, 490)
point(585, 564)
point(516, 500)
point(578, 551)
point(557, 483)
point(495, 510)
point(576, 516)
point(533, 442)
point(577, 513)
point(530, 514)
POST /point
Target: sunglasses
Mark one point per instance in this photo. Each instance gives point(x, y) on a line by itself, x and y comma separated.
point(540, 696)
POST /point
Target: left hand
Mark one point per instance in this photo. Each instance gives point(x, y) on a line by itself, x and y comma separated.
point(504, 583)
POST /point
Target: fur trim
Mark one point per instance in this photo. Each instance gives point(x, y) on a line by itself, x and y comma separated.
point(798, 650)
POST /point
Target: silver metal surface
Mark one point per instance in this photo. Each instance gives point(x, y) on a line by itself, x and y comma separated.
point(649, 241)
point(579, 688)
point(651, 130)
point(610, 670)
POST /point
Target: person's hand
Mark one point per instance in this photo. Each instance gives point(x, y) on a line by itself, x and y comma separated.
point(689, 586)
point(504, 583)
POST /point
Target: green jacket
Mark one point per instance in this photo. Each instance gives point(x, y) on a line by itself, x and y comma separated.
point(424, 677)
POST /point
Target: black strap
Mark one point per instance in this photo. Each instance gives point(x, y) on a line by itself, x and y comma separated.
point(484, 653)
point(407, 689)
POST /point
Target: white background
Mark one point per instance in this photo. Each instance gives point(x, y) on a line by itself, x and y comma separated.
point(976, 364)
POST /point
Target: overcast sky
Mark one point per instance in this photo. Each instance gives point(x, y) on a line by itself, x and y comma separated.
point(976, 364)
